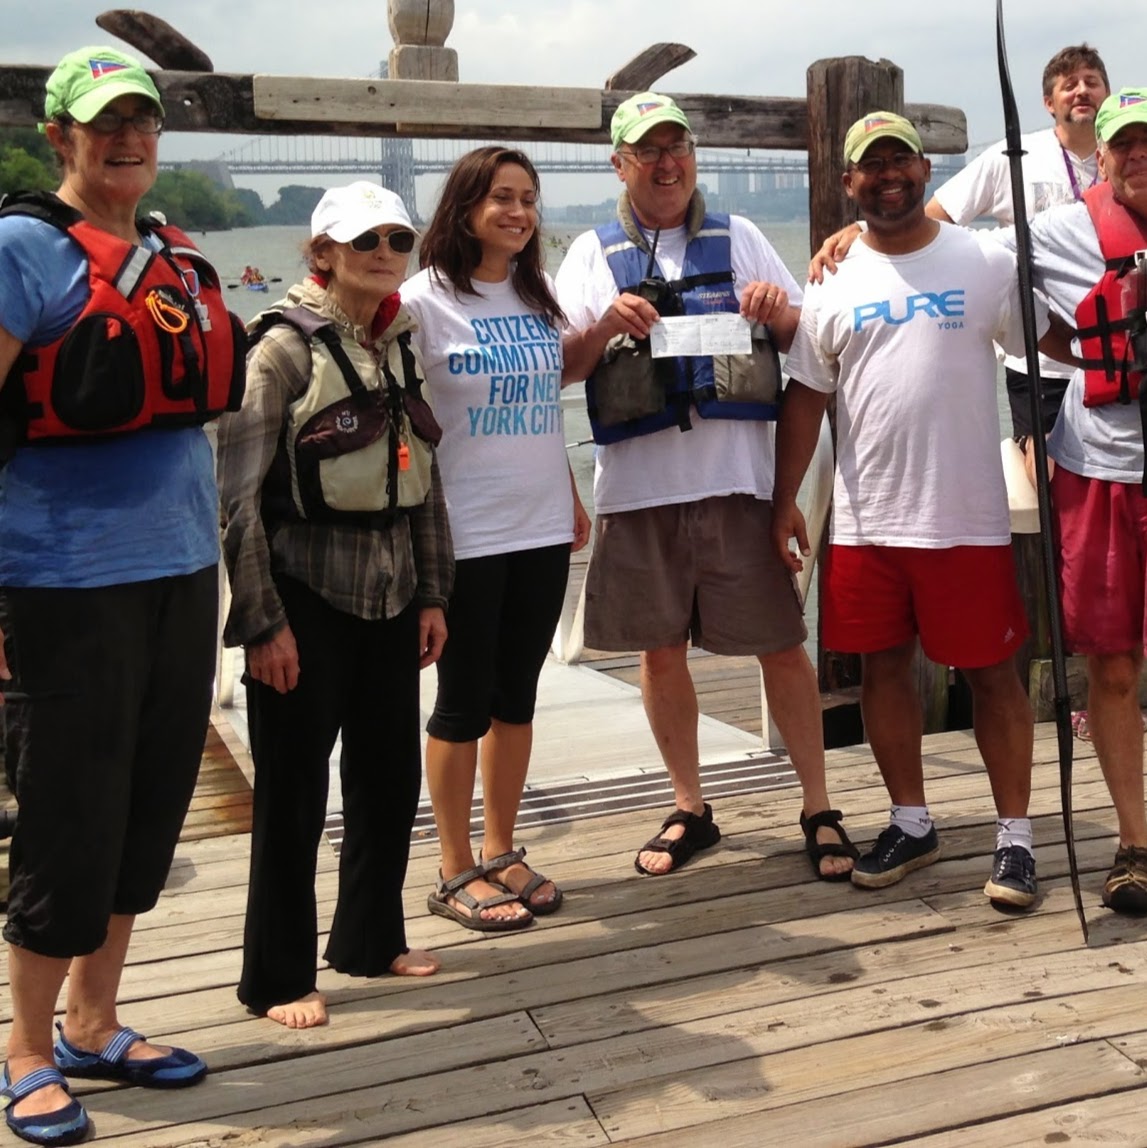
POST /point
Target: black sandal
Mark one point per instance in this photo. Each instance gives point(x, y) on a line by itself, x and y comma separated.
point(827, 819)
point(700, 833)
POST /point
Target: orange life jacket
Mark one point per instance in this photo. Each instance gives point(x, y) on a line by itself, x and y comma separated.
point(1106, 320)
point(154, 346)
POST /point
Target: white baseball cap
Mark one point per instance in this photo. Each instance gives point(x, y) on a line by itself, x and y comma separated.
point(346, 212)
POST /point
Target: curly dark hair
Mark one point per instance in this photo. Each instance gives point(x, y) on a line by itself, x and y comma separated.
point(452, 251)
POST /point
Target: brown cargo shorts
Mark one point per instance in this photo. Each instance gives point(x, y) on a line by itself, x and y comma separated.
point(706, 571)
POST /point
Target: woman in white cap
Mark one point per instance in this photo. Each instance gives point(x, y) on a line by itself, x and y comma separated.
point(337, 544)
point(115, 345)
point(489, 330)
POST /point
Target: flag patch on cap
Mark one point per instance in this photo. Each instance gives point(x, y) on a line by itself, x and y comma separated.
point(874, 122)
point(1125, 101)
point(101, 68)
point(649, 106)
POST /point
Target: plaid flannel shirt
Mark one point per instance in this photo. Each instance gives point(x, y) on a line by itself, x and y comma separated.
point(370, 573)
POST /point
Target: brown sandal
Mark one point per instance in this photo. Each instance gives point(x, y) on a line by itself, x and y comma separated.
point(1125, 889)
point(454, 889)
point(536, 881)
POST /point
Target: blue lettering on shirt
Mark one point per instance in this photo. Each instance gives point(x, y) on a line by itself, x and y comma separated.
point(521, 355)
point(944, 305)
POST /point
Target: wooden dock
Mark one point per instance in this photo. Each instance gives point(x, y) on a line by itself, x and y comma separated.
point(739, 1002)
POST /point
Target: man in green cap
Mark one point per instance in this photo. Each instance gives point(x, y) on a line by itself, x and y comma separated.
point(1087, 260)
point(903, 335)
point(684, 475)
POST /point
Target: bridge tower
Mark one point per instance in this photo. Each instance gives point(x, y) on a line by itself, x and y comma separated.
point(396, 170)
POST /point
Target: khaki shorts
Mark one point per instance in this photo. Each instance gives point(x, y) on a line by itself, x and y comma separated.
point(703, 570)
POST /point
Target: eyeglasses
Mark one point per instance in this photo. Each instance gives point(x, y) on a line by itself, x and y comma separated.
point(400, 241)
point(649, 154)
point(875, 164)
point(108, 123)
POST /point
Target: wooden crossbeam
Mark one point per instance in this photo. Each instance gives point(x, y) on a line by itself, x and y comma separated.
point(226, 102)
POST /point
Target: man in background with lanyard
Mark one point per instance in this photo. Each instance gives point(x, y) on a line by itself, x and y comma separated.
point(1059, 165)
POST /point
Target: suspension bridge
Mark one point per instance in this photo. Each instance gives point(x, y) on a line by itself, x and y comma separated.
point(397, 162)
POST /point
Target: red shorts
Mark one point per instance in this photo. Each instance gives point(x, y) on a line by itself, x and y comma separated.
point(963, 601)
point(1102, 528)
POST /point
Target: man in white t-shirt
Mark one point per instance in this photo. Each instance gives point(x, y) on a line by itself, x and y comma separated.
point(1079, 252)
point(903, 335)
point(684, 475)
point(1059, 165)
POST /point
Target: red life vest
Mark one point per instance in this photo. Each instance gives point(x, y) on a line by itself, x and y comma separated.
point(1102, 320)
point(154, 346)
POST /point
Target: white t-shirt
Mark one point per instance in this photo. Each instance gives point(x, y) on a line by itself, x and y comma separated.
point(718, 456)
point(984, 187)
point(1097, 442)
point(493, 368)
point(905, 341)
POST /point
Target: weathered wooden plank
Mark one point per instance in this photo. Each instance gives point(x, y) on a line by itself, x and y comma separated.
point(961, 1097)
point(560, 1122)
point(646, 68)
point(637, 1085)
point(230, 1096)
point(155, 38)
point(225, 102)
point(1115, 1118)
point(743, 1082)
point(419, 102)
point(685, 994)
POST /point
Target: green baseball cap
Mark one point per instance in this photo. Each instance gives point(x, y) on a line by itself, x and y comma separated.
point(640, 113)
point(86, 81)
point(879, 126)
point(1127, 106)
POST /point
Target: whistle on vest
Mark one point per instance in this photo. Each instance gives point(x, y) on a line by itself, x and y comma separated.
point(403, 456)
point(167, 311)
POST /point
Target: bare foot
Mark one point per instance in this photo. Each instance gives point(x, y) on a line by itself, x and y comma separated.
point(415, 963)
point(42, 1102)
point(657, 862)
point(306, 1012)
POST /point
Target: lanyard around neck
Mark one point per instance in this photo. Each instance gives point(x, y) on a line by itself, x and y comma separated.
point(1069, 163)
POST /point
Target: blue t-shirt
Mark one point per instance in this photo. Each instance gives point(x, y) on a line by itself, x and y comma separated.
point(125, 509)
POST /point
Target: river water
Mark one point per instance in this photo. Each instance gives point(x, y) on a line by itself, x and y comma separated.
point(276, 252)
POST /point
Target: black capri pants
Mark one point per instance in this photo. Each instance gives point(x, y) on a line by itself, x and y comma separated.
point(105, 749)
point(500, 623)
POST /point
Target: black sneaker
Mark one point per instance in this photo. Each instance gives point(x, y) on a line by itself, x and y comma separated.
point(894, 855)
point(1013, 877)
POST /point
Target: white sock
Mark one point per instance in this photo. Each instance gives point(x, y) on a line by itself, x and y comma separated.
point(1014, 831)
point(913, 819)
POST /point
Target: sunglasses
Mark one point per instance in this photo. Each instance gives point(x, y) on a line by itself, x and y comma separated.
point(400, 241)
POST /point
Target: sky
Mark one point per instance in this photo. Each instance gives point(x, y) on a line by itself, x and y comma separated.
point(744, 47)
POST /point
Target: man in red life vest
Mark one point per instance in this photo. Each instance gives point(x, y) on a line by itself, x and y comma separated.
point(1084, 262)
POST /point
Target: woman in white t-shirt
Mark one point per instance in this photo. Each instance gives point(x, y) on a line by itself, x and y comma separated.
point(490, 342)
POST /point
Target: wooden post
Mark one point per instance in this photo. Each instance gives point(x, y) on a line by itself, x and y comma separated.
point(840, 91)
point(420, 28)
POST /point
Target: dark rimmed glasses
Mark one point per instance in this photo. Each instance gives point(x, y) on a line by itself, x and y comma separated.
point(400, 241)
point(649, 154)
point(107, 123)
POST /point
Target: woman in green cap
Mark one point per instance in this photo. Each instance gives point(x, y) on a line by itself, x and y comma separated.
point(115, 346)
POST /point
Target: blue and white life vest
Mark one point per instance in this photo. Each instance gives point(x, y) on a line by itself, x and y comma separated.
point(689, 382)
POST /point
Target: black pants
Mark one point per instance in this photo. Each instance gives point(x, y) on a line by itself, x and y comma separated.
point(361, 677)
point(500, 624)
point(1018, 388)
point(105, 748)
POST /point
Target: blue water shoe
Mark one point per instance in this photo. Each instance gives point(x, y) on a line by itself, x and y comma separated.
point(67, 1125)
point(177, 1069)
